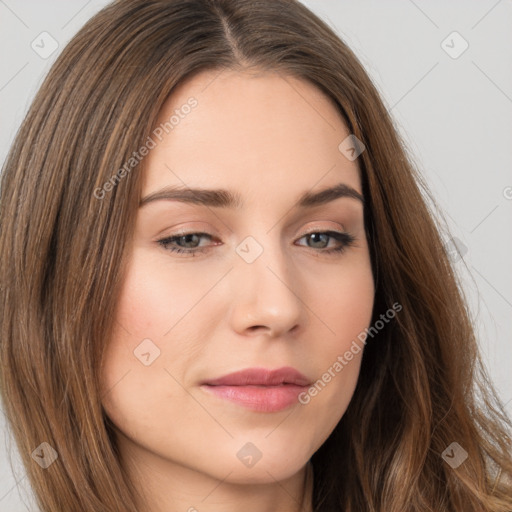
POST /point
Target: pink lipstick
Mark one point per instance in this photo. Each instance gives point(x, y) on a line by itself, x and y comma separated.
point(260, 389)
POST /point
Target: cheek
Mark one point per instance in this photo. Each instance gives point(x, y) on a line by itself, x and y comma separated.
point(157, 337)
point(159, 302)
point(158, 305)
point(151, 299)
point(348, 303)
point(342, 301)
point(344, 306)
point(133, 374)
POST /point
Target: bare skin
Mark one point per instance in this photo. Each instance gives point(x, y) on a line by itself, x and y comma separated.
point(268, 138)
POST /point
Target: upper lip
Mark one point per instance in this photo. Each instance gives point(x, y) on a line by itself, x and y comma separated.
point(261, 377)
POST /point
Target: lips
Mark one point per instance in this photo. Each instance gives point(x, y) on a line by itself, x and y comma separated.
point(261, 377)
point(260, 389)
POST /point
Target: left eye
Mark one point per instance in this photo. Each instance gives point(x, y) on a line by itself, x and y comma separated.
point(318, 237)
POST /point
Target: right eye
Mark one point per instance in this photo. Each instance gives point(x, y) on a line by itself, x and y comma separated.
point(183, 238)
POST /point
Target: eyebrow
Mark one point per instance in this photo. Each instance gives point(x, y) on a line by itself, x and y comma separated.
point(223, 198)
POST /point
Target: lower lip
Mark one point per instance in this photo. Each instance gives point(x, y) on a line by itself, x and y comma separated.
point(259, 398)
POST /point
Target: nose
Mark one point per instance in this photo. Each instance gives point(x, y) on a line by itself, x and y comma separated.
point(267, 297)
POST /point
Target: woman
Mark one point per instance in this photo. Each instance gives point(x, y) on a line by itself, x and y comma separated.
point(315, 353)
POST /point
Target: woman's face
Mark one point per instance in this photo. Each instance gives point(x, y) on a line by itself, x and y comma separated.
point(258, 286)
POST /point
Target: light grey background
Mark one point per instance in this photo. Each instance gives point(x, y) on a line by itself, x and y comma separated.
point(454, 113)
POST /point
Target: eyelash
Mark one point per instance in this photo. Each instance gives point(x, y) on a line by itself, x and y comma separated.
point(346, 240)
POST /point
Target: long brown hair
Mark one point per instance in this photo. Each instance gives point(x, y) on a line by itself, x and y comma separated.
point(422, 385)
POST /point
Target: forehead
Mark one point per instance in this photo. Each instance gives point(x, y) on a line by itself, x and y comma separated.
point(242, 130)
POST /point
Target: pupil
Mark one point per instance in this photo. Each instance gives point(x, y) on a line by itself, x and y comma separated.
point(317, 235)
point(187, 238)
